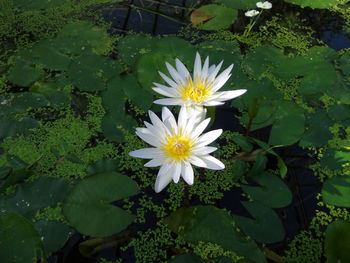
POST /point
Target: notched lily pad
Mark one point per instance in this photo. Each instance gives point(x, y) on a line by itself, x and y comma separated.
point(88, 207)
point(272, 192)
point(213, 17)
point(20, 242)
point(210, 224)
point(265, 228)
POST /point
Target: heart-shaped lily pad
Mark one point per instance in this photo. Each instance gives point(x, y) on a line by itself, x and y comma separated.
point(88, 207)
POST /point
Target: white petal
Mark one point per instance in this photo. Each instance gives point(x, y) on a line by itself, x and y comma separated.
point(147, 153)
point(228, 95)
point(158, 124)
point(205, 68)
point(181, 68)
point(197, 67)
point(163, 178)
point(212, 103)
point(182, 119)
point(200, 128)
point(207, 138)
point(174, 74)
point(169, 120)
point(224, 74)
point(159, 133)
point(164, 90)
point(170, 101)
point(213, 74)
point(155, 162)
point(205, 150)
point(212, 163)
point(197, 161)
point(168, 80)
point(211, 69)
point(149, 138)
point(219, 82)
point(177, 172)
point(187, 172)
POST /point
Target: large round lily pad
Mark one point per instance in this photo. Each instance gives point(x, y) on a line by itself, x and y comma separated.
point(210, 224)
point(272, 192)
point(337, 242)
point(266, 227)
point(88, 207)
point(19, 241)
point(336, 191)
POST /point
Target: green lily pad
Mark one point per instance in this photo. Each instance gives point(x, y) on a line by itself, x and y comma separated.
point(138, 96)
point(314, 3)
point(131, 47)
point(20, 242)
point(336, 191)
point(148, 66)
point(113, 99)
point(53, 234)
point(339, 112)
point(316, 129)
point(315, 70)
point(14, 177)
point(113, 126)
point(12, 127)
point(337, 242)
point(260, 59)
point(259, 165)
point(53, 92)
point(46, 54)
point(272, 192)
point(345, 63)
point(103, 165)
point(177, 48)
point(213, 17)
point(88, 208)
point(210, 224)
point(35, 195)
point(289, 124)
point(335, 159)
point(90, 72)
point(79, 37)
point(23, 74)
point(265, 228)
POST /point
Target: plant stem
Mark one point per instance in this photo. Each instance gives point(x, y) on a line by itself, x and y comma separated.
point(202, 174)
point(251, 24)
point(249, 126)
point(273, 256)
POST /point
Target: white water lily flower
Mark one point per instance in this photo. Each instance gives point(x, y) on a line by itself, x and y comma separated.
point(264, 5)
point(251, 13)
point(177, 145)
point(201, 90)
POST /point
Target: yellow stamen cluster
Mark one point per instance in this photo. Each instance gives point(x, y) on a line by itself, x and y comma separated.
point(177, 147)
point(197, 91)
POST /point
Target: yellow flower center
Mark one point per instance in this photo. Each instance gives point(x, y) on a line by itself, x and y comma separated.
point(177, 147)
point(197, 91)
